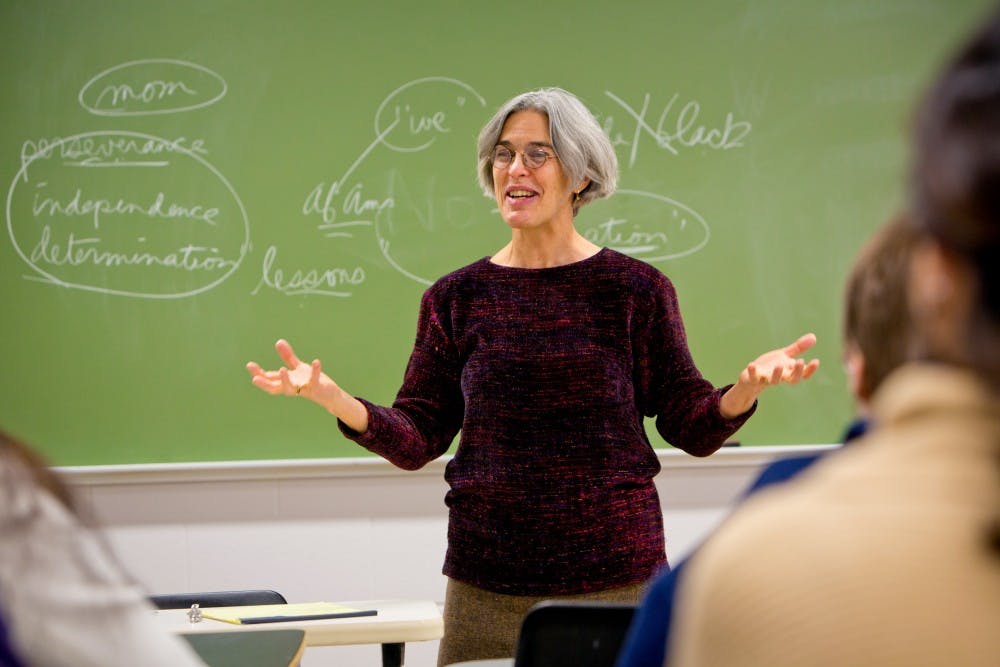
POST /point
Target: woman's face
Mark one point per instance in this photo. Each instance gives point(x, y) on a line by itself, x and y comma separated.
point(531, 197)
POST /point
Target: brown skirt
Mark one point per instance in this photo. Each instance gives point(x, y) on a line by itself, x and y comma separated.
point(481, 624)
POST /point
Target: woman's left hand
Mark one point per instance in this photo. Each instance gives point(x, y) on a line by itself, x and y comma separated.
point(769, 369)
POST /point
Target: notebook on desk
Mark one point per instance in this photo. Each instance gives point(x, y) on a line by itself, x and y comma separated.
point(281, 613)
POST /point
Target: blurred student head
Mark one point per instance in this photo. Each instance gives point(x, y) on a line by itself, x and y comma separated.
point(877, 324)
point(25, 466)
point(65, 597)
point(955, 287)
point(955, 279)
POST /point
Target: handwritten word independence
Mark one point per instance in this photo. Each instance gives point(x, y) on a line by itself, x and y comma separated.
point(159, 208)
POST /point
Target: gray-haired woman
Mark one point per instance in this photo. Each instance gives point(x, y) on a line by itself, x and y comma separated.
point(546, 355)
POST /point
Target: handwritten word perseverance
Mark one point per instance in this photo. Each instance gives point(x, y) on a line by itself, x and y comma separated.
point(78, 205)
point(672, 132)
point(323, 282)
point(97, 150)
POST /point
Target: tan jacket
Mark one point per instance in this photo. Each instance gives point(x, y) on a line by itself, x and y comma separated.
point(875, 556)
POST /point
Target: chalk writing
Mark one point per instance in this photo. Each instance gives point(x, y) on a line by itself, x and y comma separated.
point(646, 225)
point(139, 236)
point(155, 86)
point(321, 282)
point(77, 251)
point(117, 95)
point(321, 199)
point(159, 208)
point(354, 203)
point(410, 119)
point(108, 150)
point(419, 116)
point(671, 132)
point(633, 241)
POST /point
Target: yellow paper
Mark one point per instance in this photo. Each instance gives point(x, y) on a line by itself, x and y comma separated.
point(235, 614)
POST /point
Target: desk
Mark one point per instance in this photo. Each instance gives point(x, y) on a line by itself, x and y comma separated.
point(397, 622)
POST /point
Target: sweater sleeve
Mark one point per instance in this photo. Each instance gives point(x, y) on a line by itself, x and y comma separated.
point(428, 410)
point(671, 387)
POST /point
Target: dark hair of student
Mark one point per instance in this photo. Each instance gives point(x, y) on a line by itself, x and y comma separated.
point(876, 313)
point(956, 190)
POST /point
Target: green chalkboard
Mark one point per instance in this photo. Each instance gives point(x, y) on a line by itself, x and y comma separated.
point(189, 180)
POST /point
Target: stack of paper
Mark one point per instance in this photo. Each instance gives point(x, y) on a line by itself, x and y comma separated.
point(278, 613)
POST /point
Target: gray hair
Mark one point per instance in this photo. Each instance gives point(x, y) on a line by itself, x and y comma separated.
point(583, 148)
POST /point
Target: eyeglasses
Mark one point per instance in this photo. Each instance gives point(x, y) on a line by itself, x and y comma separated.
point(533, 158)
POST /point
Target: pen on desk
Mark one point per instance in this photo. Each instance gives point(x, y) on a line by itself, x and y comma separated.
point(308, 617)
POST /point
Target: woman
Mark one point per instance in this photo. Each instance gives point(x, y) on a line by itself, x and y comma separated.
point(546, 355)
point(889, 553)
point(64, 598)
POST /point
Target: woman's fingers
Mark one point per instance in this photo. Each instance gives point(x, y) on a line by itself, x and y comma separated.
point(796, 371)
point(287, 386)
point(287, 354)
point(803, 343)
point(269, 385)
point(291, 379)
point(776, 373)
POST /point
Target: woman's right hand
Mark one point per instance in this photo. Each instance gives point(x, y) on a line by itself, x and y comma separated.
point(297, 378)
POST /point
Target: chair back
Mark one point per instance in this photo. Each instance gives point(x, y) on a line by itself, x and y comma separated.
point(572, 634)
point(254, 648)
point(217, 599)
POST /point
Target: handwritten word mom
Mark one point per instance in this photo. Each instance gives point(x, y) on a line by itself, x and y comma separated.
point(78, 205)
point(150, 91)
point(671, 133)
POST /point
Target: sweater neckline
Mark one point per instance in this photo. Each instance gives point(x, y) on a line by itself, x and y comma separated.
point(488, 261)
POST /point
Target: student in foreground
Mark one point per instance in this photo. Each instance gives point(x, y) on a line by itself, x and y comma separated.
point(65, 601)
point(875, 342)
point(889, 553)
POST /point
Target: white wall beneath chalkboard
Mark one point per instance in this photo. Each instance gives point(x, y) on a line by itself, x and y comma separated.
point(339, 529)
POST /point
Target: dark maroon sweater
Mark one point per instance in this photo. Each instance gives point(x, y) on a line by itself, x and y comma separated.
point(548, 373)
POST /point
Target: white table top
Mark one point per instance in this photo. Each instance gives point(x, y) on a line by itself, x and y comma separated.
point(397, 621)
